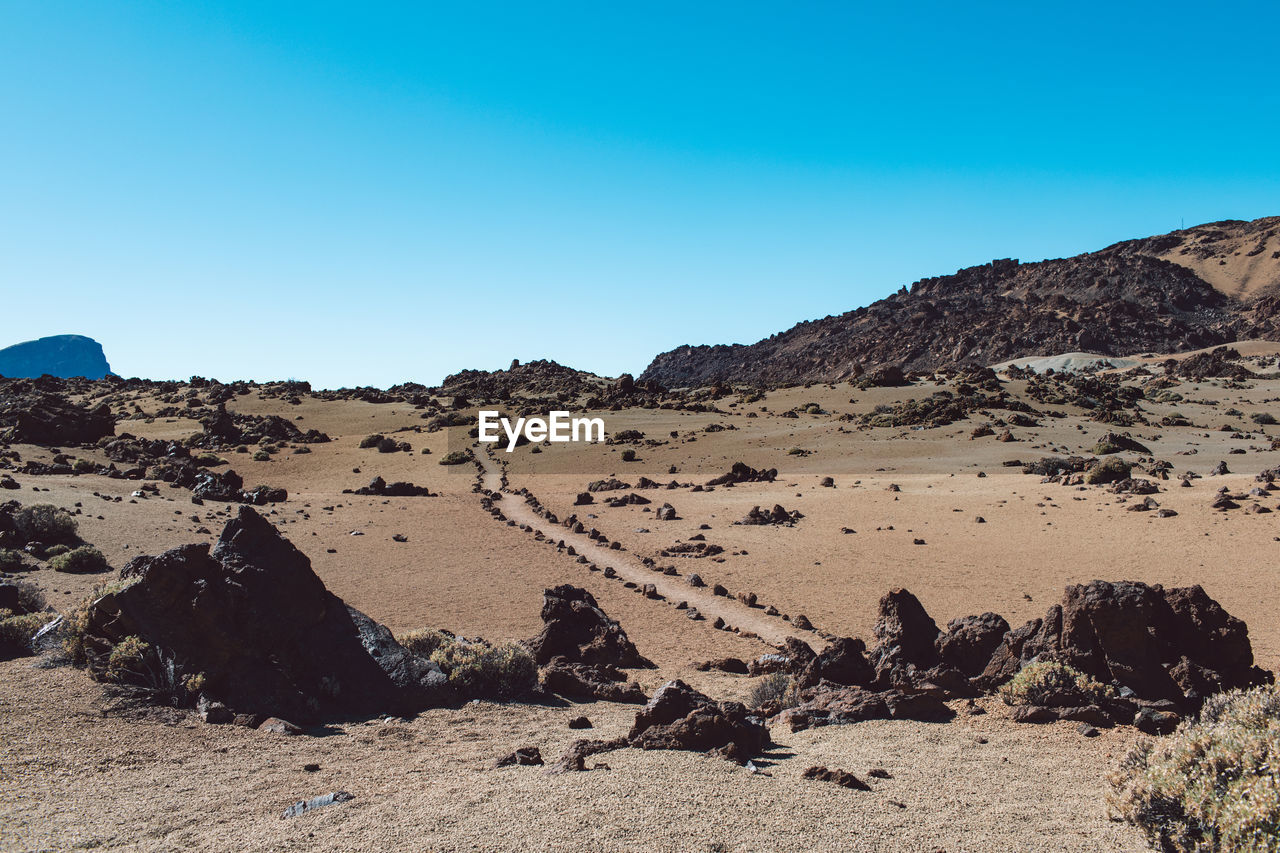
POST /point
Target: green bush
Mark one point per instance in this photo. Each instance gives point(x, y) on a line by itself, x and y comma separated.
point(1211, 785)
point(371, 441)
point(628, 455)
point(1053, 684)
point(84, 466)
point(209, 460)
point(82, 560)
point(1108, 471)
point(457, 457)
point(16, 631)
point(478, 669)
point(11, 560)
point(262, 456)
point(127, 662)
point(46, 523)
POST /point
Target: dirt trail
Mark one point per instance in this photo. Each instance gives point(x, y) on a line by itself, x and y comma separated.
point(629, 568)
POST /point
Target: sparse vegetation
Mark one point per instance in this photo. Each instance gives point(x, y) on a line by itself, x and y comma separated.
point(425, 641)
point(16, 631)
point(777, 687)
point(46, 523)
point(371, 441)
point(12, 561)
point(1053, 684)
point(1263, 418)
point(1108, 471)
point(479, 669)
point(1213, 784)
point(476, 668)
point(82, 560)
point(262, 456)
point(125, 663)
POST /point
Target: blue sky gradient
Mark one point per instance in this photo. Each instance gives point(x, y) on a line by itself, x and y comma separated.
point(373, 195)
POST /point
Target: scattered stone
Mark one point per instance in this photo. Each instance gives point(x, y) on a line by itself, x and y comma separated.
point(839, 777)
point(529, 756)
point(303, 806)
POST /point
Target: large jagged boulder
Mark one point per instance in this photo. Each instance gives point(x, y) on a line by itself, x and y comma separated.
point(905, 640)
point(970, 641)
point(575, 628)
point(843, 661)
point(261, 628)
point(679, 717)
point(1176, 644)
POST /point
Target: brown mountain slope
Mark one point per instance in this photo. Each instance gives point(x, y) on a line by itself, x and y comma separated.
point(1121, 300)
point(1241, 259)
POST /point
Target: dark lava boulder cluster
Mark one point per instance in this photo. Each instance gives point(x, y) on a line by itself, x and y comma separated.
point(225, 429)
point(1156, 651)
point(31, 413)
point(778, 515)
point(400, 489)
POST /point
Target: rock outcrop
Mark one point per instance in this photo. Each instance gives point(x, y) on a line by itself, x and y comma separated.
point(260, 631)
point(1123, 299)
point(679, 717)
point(581, 650)
point(33, 415)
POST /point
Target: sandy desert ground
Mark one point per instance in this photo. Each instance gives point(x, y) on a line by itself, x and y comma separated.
point(81, 770)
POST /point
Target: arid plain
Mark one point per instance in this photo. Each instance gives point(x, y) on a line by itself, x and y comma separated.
point(944, 511)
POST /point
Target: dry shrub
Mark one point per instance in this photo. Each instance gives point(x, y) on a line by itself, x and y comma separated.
point(1212, 785)
point(1053, 684)
point(425, 641)
point(46, 523)
point(776, 688)
point(16, 631)
point(83, 560)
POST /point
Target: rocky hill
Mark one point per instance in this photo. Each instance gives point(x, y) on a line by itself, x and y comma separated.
point(63, 356)
point(1128, 298)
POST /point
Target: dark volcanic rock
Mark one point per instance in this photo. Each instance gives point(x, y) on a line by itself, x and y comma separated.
point(970, 641)
point(1176, 644)
point(905, 636)
point(743, 473)
point(590, 681)
point(575, 628)
point(826, 706)
point(34, 416)
point(843, 661)
point(63, 356)
point(399, 489)
point(679, 717)
point(840, 777)
point(1114, 302)
point(267, 635)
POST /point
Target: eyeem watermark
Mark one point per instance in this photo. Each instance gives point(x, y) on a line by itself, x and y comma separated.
point(557, 427)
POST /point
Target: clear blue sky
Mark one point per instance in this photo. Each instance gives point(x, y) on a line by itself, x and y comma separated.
point(372, 193)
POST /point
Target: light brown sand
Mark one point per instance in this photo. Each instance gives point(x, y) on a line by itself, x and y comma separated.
point(72, 777)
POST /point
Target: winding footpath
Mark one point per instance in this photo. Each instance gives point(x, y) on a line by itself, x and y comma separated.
point(673, 588)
